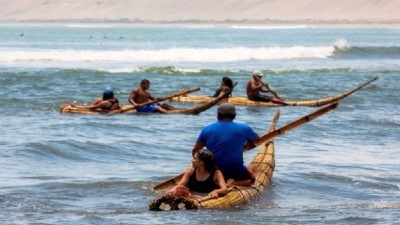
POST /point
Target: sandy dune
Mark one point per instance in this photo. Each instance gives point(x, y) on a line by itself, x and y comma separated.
point(353, 11)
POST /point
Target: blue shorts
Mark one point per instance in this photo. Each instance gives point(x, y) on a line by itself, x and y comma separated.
point(151, 108)
point(239, 173)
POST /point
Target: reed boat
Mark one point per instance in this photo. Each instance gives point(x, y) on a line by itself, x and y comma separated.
point(262, 166)
point(68, 108)
point(244, 101)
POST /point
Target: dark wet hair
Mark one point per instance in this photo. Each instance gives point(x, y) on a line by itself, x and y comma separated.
point(144, 81)
point(228, 82)
point(107, 96)
point(207, 157)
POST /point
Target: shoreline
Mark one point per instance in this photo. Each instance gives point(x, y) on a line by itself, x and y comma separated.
point(209, 24)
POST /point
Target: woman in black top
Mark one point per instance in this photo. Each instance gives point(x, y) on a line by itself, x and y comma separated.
point(203, 177)
point(226, 85)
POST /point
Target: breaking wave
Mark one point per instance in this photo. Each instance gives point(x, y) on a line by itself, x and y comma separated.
point(339, 50)
point(168, 55)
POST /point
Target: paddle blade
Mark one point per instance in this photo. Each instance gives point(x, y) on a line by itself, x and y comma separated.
point(168, 183)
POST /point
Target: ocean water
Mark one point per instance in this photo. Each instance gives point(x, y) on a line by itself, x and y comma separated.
point(342, 168)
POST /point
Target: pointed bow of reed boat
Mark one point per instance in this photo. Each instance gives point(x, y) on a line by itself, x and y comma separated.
point(67, 108)
point(244, 101)
point(328, 100)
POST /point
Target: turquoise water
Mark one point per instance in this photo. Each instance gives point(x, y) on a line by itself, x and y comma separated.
point(76, 169)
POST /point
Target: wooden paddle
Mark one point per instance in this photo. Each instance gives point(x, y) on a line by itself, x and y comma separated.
point(183, 92)
point(269, 136)
point(266, 86)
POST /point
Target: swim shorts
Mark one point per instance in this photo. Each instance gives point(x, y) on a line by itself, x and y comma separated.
point(151, 108)
point(261, 98)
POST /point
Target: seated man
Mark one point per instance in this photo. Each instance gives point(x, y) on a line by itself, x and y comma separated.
point(140, 95)
point(226, 139)
point(255, 86)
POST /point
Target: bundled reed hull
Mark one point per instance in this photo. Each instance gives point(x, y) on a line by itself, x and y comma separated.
point(244, 101)
point(67, 108)
point(262, 165)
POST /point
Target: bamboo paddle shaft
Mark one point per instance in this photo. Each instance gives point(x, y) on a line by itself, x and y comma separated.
point(296, 123)
point(271, 135)
point(183, 92)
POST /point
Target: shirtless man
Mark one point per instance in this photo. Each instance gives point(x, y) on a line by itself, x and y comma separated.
point(255, 86)
point(141, 95)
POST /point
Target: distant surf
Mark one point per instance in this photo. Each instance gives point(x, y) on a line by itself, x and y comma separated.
point(167, 55)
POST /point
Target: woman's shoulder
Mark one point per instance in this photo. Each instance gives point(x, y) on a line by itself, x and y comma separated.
point(190, 170)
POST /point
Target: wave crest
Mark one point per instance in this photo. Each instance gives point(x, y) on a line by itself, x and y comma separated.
point(167, 55)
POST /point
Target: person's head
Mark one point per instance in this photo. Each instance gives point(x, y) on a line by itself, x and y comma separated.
point(108, 93)
point(145, 84)
point(205, 157)
point(227, 82)
point(258, 74)
point(226, 111)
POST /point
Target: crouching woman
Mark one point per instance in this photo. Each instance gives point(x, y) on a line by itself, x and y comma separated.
point(202, 177)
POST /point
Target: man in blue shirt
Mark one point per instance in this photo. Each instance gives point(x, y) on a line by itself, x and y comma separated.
point(227, 140)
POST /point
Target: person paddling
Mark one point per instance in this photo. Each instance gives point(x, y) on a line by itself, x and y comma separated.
point(108, 102)
point(255, 86)
point(202, 177)
point(227, 140)
point(226, 86)
point(141, 95)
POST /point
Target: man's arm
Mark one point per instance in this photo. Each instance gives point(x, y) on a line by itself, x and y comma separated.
point(270, 90)
point(95, 105)
point(184, 180)
point(251, 144)
point(265, 88)
point(254, 86)
point(99, 105)
point(132, 97)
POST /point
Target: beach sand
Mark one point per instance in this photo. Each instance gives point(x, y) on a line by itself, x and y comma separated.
point(326, 12)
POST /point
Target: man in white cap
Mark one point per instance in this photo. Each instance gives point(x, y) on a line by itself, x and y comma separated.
point(227, 140)
point(255, 86)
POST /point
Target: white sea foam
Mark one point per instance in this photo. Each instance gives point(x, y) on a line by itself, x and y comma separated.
point(166, 55)
point(121, 70)
point(167, 70)
point(341, 44)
